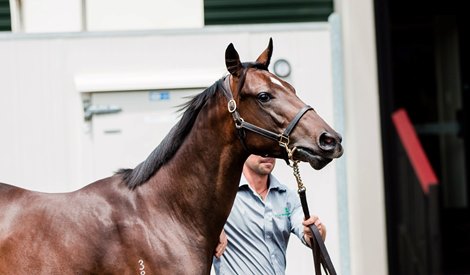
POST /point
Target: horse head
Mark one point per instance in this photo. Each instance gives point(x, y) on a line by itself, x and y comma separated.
point(266, 111)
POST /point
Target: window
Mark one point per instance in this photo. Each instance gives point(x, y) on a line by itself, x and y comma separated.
point(265, 11)
point(5, 19)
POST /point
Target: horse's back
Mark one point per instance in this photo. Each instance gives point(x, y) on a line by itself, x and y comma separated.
point(7, 188)
point(9, 197)
point(55, 231)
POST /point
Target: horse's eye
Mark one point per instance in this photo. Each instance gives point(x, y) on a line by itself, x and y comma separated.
point(264, 97)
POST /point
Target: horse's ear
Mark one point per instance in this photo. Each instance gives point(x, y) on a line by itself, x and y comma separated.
point(232, 61)
point(265, 57)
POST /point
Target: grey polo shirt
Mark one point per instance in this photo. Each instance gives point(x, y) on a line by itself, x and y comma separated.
point(258, 231)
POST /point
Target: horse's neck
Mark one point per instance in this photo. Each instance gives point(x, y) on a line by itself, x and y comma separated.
point(201, 180)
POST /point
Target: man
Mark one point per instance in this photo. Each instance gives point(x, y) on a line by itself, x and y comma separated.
point(263, 215)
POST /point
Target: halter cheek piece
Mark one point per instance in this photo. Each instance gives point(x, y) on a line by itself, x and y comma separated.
point(241, 124)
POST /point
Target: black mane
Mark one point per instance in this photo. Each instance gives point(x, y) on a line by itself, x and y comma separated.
point(170, 144)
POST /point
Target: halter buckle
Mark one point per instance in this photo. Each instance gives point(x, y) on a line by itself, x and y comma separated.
point(239, 123)
point(283, 141)
point(232, 106)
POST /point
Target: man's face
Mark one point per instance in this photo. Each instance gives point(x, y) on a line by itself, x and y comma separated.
point(260, 165)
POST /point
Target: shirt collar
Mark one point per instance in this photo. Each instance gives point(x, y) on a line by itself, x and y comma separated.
point(273, 183)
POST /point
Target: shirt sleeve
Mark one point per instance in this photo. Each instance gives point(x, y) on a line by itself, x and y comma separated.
point(297, 217)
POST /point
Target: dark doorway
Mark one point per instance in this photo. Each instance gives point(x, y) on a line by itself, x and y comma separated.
point(424, 67)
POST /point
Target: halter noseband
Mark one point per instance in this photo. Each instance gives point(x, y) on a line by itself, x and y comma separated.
point(241, 124)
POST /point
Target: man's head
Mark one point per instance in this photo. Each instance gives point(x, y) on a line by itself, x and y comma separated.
point(259, 165)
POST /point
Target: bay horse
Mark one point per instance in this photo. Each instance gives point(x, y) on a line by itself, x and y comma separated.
point(165, 215)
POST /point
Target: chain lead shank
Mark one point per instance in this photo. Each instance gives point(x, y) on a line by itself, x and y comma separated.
point(320, 253)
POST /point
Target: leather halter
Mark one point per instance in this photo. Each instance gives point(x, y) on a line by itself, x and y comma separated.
point(241, 124)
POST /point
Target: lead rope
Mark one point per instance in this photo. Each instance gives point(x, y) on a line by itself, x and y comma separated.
point(319, 251)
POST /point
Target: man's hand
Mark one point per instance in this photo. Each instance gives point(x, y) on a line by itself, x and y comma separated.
point(308, 234)
point(219, 250)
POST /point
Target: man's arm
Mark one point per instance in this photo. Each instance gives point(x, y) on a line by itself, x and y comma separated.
point(299, 225)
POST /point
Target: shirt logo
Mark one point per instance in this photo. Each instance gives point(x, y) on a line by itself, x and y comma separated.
point(286, 213)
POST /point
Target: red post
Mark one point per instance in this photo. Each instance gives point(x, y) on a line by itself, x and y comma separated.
point(414, 150)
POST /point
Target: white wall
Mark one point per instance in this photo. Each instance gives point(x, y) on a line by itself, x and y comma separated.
point(144, 14)
point(44, 143)
point(368, 240)
point(45, 16)
point(49, 15)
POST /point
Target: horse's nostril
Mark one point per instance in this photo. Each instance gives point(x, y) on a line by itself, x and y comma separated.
point(327, 141)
